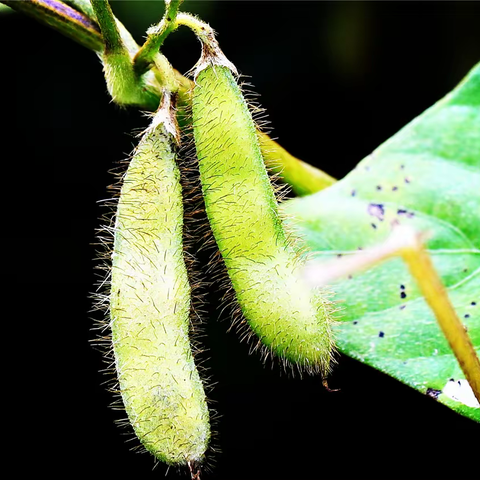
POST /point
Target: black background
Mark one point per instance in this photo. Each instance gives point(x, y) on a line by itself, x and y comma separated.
point(337, 79)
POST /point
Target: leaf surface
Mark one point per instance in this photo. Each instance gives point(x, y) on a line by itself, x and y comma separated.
point(426, 176)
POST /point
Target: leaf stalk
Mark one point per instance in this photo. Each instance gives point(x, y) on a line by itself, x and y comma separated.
point(409, 244)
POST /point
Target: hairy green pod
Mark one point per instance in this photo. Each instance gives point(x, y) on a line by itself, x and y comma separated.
point(291, 319)
point(150, 305)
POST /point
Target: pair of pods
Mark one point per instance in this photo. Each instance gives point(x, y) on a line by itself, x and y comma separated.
point(150, 293)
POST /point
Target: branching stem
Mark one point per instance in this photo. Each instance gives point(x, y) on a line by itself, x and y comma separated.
point(156, 35)
point(79, 24)
point(124, 85)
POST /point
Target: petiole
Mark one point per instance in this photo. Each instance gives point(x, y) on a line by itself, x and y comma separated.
point(409, 244)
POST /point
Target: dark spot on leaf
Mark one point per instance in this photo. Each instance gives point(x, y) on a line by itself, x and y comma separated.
point(353, 193)
point(359, 248)
point(407, 180)
point(467, 315)
point(381, 334)
point(465, 270)
point(355, 322)
point(402, 307)
point(379, 187)
point(432, 392)
point(394, 189)
point(403, 295)
point(452, 380)
point(350, 277)
point(376, 210)
point(402, 287)
point(473, 303)
point(408, 214)
point(373, 225)
point(402, 166)
point(339, 255)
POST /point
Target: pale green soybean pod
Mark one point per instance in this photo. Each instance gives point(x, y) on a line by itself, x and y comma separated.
point(150, 307)
point(291, 319)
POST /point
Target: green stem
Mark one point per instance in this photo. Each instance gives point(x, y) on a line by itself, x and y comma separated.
point(165, 74)
point(85, 7)
point(62, 18)
point(124, 85)
point(201, 29)
point(108, 25)
point(77, 23)
point(157, 34)
point(302, 177)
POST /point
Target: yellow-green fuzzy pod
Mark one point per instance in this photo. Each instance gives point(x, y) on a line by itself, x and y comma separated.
point(150, 306)
point(264, 267)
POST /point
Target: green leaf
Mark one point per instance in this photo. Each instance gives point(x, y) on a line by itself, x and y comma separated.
point(426, 176)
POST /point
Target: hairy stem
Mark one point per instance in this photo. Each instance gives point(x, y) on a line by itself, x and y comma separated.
point(124, 85)
point(201, 29)
point(77, 21)
point(157, 34)
point(85, 7)
point(164, 73)
point(108, 25)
